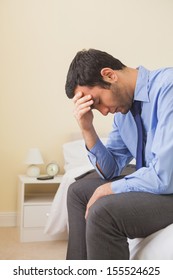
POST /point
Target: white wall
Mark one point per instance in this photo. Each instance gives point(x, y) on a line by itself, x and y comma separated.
point(38, 39)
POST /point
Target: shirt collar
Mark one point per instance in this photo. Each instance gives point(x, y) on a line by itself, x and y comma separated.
point(141, 89)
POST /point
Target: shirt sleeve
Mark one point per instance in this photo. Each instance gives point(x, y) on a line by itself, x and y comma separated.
point(112, 157)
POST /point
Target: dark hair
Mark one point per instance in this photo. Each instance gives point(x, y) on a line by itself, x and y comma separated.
point(85, 70)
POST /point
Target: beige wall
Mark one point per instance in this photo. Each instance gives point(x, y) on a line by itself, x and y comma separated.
point(38, 39)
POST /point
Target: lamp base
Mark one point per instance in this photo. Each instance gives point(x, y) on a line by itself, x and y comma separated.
point(33, 171)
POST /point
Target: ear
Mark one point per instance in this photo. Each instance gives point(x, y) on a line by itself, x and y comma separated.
point(109, 75)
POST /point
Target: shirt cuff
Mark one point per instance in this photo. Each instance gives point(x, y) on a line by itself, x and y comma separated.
point(96, 152)
point(119, 186)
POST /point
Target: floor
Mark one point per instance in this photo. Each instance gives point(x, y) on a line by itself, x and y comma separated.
point(12, 249)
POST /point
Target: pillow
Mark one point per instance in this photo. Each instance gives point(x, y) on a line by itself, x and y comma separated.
point(75, 154)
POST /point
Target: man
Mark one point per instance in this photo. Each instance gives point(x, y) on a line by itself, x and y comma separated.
point(105, 210)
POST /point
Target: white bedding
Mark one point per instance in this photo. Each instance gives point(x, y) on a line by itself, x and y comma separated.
point(58, 220)
point(156, 246)
point(76, 163)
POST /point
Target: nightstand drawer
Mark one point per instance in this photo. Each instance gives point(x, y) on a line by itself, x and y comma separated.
point(35, 215)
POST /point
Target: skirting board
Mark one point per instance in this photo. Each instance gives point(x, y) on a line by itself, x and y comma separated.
point(8, 219)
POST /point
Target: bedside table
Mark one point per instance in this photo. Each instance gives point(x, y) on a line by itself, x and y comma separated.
point(34, 202)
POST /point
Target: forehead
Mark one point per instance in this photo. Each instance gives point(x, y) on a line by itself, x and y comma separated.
point(84, 89)
point(95, 91)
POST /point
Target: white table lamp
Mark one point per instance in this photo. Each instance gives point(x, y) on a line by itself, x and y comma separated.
point(33, 159)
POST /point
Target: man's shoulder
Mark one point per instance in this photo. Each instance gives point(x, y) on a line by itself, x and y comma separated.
point(161, 77)
point(165, 72)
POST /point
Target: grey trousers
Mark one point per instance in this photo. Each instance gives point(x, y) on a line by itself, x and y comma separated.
point(111, 219)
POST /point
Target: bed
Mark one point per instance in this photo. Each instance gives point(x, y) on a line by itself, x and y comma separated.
point(157, 246)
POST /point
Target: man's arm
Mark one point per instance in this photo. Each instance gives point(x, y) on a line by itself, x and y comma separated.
point(107, 162)
point(84, 117)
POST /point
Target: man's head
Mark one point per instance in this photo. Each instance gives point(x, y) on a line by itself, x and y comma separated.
point(108, 82)
point(86, 70)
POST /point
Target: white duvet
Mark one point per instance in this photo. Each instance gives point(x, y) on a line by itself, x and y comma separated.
point(58, 221)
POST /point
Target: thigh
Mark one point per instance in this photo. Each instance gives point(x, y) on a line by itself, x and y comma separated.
point(87, 183)
point(84, 187)
point(135, 214)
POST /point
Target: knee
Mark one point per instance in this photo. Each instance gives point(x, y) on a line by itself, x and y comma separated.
point(76, 193)
point(72, 191)
point(105, 212)
point(97, 213)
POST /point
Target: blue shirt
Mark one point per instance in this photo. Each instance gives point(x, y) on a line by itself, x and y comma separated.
point(155, 90)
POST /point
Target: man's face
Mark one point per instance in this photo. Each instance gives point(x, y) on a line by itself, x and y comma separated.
point(115, 99)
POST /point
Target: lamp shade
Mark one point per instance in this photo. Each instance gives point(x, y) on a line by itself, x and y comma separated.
point(34, 157)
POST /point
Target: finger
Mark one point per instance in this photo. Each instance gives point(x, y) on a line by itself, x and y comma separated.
point(86, 213)
point(79, 99)
point(82, 105)
point(78, 95)
point(81, 109)
point(87, 208)
point(79, 113)
point(90, 203)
